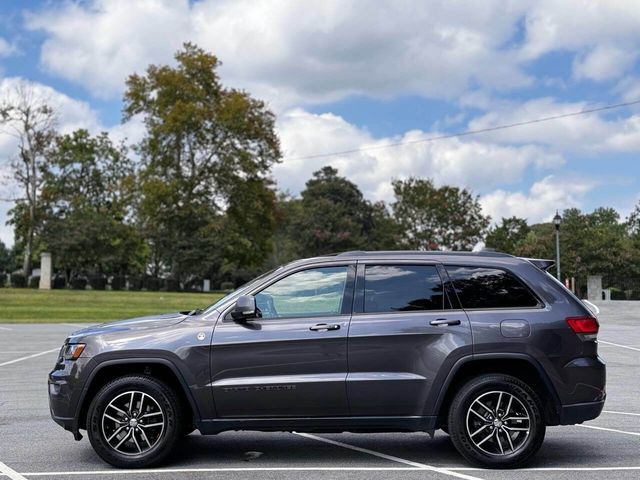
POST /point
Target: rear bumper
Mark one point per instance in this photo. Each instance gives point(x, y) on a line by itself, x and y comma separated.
point(580, 412)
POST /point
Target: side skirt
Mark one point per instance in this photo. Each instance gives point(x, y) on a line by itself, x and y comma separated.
point(322, 424)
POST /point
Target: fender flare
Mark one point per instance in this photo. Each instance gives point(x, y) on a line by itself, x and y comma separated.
point(496, 356)
point(137, 360)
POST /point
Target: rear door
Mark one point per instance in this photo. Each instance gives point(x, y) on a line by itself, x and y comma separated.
point(404, 330)
point(292, 362)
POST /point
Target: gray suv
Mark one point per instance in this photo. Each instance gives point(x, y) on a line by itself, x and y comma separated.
point(485, 346)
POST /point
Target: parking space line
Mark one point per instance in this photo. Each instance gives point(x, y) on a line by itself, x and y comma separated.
point(621, 413)
point(15, 360)
point(5, 328)
point(550, 469)
point(392, 458)
point(618, 345)
point(9, 472)
point(636, 434)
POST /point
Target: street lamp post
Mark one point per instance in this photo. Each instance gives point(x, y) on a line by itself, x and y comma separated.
point(556, 222)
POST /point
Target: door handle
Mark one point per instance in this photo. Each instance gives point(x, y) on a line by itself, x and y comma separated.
point(325, 326)
point(444, 321)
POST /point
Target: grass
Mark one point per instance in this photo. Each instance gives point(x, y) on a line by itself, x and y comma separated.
point(23, 305)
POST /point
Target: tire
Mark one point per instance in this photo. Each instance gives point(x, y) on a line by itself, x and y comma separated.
point(127, 438)
point(506, 440)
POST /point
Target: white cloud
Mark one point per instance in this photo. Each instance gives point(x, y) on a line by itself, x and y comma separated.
point(472, 163)
point(540, 202)
point(603, 63)
point(588, 134)
point(6, 48)
point(291, 51)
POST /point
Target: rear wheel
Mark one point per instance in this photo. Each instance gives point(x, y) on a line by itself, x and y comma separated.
point(495, 421)
point(134, 421)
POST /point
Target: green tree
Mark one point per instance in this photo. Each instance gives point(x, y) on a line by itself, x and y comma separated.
point(507, 236)
point(5, 257)
point(89, 190)
point(206, 159)
point(432, 218)
point(334, 217)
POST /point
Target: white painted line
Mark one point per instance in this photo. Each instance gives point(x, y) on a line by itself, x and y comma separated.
point(219, 470)
point(636, 434)
point(392, 458)
point(549, 469)
point(618, 345)
point(15, 360)
point(5, 328)
point(308, 469)
point(621, 413)
point(9, 472)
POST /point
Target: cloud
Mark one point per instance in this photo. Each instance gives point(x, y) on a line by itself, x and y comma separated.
point(589, 134)
point(469, 162)
point(6, 48)
point(291, 52)
point(540, 202)
point(603, 63)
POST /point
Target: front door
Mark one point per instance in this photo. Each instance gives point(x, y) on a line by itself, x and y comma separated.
point(404, 332)
point(292, 362)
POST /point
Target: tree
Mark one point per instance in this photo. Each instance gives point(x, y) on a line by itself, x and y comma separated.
point(28, 118)
point(5, 257)
point(88, 193)
point(445, 218)
point(334, 217)
point(207, 148)
point(507, 236)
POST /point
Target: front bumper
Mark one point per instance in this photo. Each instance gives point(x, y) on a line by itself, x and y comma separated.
point(580, 412)
point(65, 385)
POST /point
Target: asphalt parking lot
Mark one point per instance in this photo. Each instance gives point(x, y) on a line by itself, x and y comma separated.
point(32, 446)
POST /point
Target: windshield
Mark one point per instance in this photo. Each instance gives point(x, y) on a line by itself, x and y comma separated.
point(238, 291)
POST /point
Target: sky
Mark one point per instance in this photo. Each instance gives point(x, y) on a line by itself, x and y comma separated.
point(345, 75)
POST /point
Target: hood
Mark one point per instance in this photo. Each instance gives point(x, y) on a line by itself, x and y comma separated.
point(137, 324)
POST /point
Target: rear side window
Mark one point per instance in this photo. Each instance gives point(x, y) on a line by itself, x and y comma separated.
point(481, 287)
point(402, 288)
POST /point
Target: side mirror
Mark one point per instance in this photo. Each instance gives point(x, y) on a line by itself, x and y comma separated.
point(245, 309)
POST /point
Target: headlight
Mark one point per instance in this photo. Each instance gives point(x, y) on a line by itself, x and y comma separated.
point(72, 351)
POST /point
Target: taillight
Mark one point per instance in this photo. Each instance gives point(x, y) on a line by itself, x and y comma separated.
point(584, 325)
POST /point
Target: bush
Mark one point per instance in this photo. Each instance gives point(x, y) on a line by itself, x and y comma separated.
point(226, 286)
point(172, 285)
point(78, 283)
point(617, 294)
point(135, 284)
point(193, 284)
point(635, 295)
point(59, 282)
point(18, 280)
point(118, 282)
point(34, 281)
point(3, 279)
point(152, 284)
point(97, 282)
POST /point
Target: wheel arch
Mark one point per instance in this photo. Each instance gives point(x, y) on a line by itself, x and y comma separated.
point(159, 368)
point(521, 366)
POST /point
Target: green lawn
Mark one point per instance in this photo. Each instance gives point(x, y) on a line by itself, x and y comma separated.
point(23, 305)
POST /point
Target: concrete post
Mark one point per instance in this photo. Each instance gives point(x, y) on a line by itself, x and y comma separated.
point(206, 285)
point(45, 271)
point(594, 288)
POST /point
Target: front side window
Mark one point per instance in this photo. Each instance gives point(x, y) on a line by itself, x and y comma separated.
point(482, 287)
point(308, 293)
point(402, 288)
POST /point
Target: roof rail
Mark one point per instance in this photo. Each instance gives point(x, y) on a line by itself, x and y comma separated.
point(485, 253)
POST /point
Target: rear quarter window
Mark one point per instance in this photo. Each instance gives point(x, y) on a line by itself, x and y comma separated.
point(484, 287)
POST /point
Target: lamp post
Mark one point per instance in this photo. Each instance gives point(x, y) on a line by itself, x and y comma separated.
point(556, 222)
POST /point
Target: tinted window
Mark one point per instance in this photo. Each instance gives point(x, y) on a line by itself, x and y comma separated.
point(308, 293)
point(397, 288)
point(479, 287)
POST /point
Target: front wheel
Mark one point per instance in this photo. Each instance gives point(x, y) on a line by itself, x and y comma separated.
point(134, 421)
point(495, 421)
